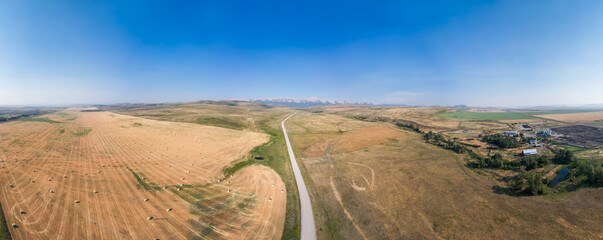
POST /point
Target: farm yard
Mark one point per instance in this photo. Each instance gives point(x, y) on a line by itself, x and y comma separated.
point(101, 175)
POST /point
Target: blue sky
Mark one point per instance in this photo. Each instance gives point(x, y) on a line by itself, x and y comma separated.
point(483, 53)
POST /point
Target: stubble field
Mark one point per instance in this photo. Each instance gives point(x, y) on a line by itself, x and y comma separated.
point(100, 175)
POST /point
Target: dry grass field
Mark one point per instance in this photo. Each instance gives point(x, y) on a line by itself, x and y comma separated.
point(102, 175)
point(428, 118)
point(375, 181)
point(239, 115)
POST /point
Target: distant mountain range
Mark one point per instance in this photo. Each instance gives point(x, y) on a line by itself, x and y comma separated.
point(307, 102)
point(313, 101)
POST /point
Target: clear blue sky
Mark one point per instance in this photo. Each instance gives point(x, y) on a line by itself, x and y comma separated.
point(486, 53)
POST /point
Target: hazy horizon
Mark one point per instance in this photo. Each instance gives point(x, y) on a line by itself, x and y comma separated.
point(477, 53)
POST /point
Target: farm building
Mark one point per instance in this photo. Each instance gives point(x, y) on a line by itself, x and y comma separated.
point(534, 142)
point(511, 132)
point(545, 133)
point(528, 152)
point(526, 126)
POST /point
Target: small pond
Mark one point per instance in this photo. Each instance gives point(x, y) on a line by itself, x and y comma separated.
point(560, 176)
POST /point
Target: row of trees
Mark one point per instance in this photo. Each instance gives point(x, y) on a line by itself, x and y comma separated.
point(439, 140)
point(497, 161)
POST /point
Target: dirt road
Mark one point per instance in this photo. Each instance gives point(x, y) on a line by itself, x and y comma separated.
point(308, 228)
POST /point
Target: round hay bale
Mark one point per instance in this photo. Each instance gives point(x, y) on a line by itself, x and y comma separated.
point(15, 225)
point(149, 218)
point(22, 212)
point(169, 209)
point(77, 201)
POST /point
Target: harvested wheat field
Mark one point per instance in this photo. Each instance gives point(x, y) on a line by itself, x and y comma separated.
point(575, 117)
point(100, 175)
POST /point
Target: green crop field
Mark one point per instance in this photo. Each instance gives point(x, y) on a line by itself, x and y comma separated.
point(467, 115)
point(570, 148)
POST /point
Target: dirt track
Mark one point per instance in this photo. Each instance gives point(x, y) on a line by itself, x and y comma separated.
point(92, 158)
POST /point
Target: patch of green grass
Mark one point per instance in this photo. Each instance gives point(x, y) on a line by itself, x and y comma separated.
point(467, 115)
point(219, 122)
point(136, 124)
point(151, 187)
point(41, 119)
point(571, 148)
point(598, 123)
point(276, 157)
point(4, 232)
point(82, 132)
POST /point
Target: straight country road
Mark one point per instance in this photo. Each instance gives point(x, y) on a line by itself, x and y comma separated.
point(308, 228)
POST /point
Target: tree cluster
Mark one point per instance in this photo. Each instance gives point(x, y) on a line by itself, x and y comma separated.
point(409, 126)
point(563, 156)
point(592, 170)
point(529, 183)
point(533, 162)
point(501, 140)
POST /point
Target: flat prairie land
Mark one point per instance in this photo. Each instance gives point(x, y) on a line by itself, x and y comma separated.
point(427, 118)
point(102, 175)
point(239, 115)
point(575, 117)
point(377, 181)
point(468, 115)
